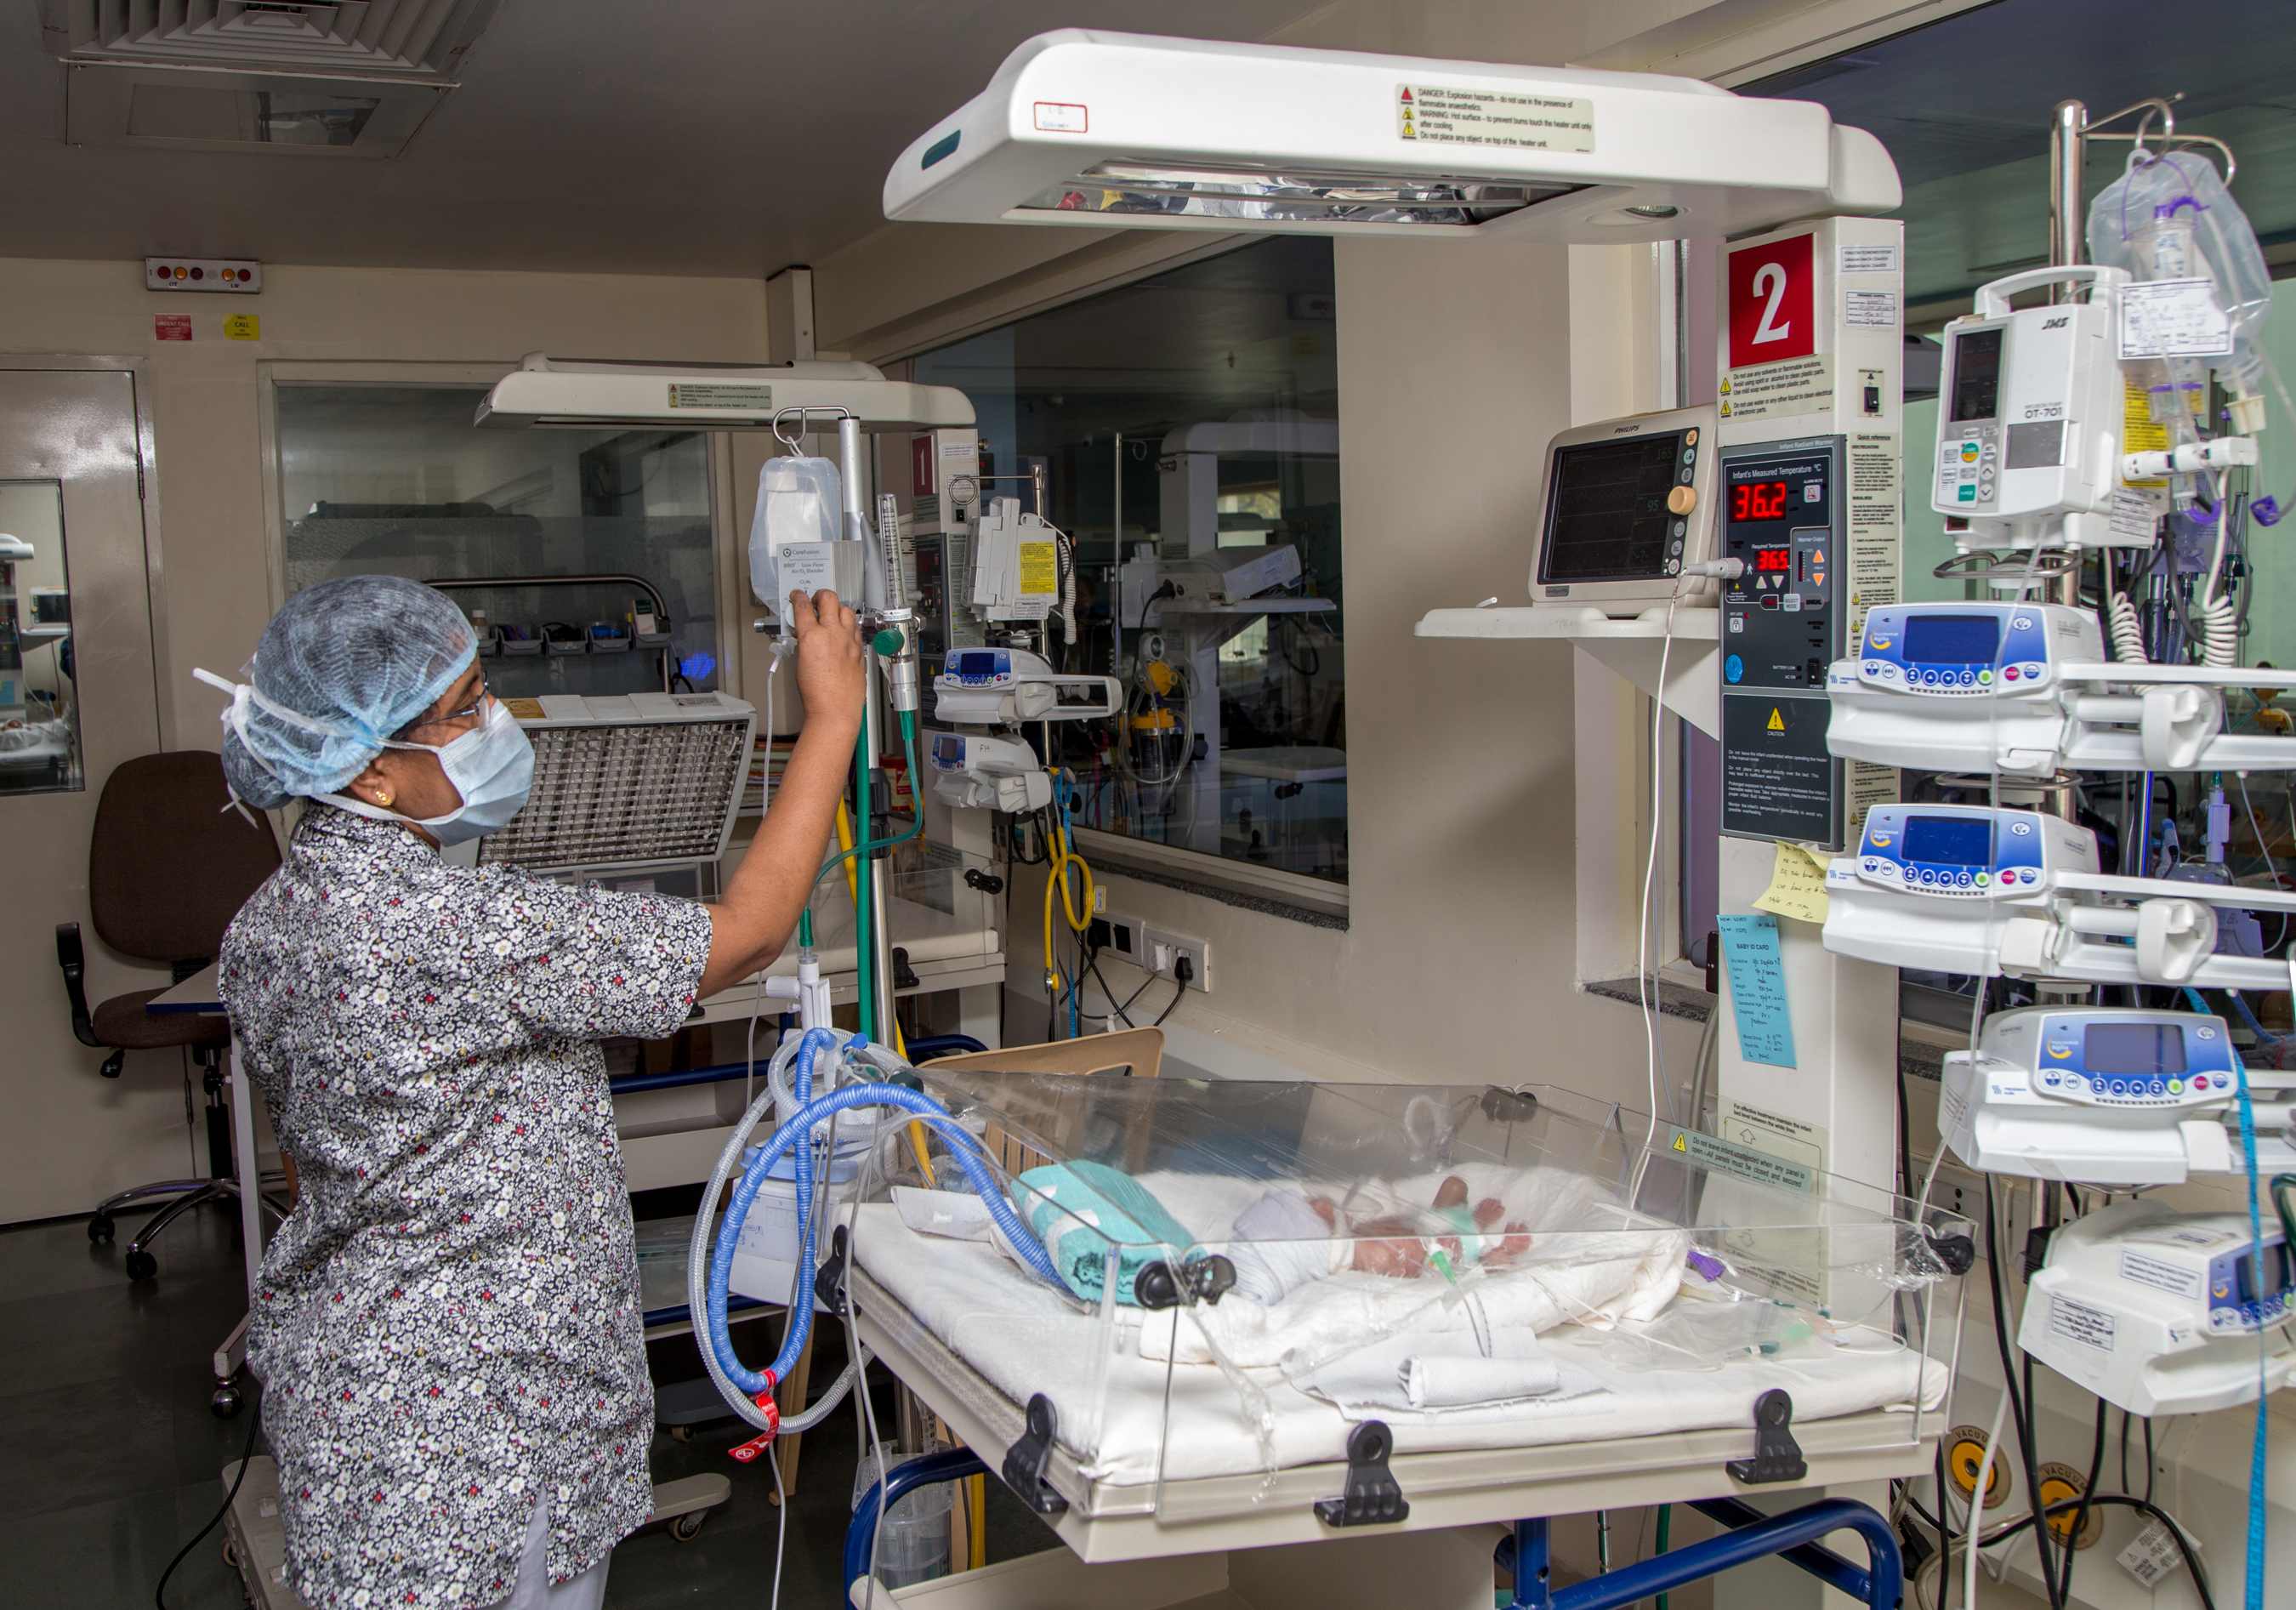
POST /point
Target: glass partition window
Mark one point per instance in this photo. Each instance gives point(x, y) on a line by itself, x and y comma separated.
point(584, 556)
point(40, 695)
point(1188, 426)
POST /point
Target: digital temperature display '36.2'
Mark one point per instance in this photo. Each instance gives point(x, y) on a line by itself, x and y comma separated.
point(1759, 500)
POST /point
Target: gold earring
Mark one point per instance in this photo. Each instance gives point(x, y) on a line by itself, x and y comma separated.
point(382, 798)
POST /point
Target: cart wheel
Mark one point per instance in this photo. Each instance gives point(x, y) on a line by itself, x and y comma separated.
point(99, 1227)
point(140, 1264)
point(225, 1404)
point(685, 1528)
point(681, 1433)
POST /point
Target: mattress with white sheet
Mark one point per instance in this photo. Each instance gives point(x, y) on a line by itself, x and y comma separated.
point(1023, 1338)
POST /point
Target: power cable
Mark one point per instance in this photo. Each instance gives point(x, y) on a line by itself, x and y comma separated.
point(246, 1458)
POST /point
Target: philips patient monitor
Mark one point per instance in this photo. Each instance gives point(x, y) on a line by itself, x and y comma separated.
point(1629, 503)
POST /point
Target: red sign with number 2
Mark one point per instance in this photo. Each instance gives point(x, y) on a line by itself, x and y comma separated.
point(1772, 302)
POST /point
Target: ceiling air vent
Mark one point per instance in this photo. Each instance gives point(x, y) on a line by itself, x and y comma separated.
point(293, 77)
point(400, 38)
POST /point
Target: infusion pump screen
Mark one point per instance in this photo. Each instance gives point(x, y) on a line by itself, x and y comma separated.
point(1976, 375)
point(1606, 514)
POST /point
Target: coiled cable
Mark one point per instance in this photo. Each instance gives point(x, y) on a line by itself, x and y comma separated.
point(2127, 627)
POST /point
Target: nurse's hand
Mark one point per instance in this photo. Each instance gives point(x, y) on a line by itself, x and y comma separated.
point(832, 674)
point(750, 922)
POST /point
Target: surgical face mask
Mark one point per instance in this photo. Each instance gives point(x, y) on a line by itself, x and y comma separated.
point(491, 767)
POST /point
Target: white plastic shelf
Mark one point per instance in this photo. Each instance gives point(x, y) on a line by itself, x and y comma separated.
point(1634, 647)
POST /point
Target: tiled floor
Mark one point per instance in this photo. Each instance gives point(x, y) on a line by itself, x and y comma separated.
point(109, 1454)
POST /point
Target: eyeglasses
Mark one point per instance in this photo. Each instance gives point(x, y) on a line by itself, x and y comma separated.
point(475, 707)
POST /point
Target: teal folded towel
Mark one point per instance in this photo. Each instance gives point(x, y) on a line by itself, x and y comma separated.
point(1081, 1210)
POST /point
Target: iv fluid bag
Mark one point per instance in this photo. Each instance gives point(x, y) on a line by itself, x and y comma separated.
point(798, 501)
point(2171, 217)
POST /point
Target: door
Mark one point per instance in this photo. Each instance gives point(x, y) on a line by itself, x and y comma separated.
point(78, 697)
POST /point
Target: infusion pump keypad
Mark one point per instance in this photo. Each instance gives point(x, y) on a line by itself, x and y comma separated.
point(1969, 466)
point(1969, 851)
point(1956, 651)
point(978, 668)
point(2128, 1059)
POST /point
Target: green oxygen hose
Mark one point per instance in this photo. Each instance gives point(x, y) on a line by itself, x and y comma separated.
point(869, 849)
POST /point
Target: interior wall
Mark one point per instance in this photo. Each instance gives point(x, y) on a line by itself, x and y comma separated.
point(211, 586)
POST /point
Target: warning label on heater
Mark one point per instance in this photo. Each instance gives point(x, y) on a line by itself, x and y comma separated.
point(1444, 115)
point(718, 394)
point(1799, 385)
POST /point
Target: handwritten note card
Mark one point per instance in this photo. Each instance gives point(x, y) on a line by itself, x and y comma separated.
point(1797, 885)
point(1758, 987)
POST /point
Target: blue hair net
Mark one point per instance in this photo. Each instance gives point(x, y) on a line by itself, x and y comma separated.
point(341, 667)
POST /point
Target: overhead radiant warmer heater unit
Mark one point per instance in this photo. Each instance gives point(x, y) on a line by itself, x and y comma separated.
point(646, 782)
point(1084, 127)
point(543, 390)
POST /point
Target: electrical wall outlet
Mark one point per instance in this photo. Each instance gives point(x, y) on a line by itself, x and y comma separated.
point(1124, 941)
point(1164, 951)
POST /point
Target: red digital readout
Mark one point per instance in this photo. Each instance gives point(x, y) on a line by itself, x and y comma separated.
point(1759, 500)
point(1773, 559)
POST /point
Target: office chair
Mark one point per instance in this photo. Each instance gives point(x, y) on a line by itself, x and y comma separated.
point(169, 866)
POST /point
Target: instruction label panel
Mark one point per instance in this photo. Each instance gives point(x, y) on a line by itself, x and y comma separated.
point(688, 394)
point(1721, 1157)
point(1773, 1134)
point(1778, 779)
point(1447, 115)
point(1800, 385)
point(1875, 545)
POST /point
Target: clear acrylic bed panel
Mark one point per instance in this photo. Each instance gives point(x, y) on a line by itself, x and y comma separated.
point(1355, 1219)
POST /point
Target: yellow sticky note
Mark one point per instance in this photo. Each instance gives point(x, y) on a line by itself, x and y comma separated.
point(1039, 570)
point(1797, 886)
point(243, 327)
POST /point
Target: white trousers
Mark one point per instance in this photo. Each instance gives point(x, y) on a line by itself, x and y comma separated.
point(587, 1591)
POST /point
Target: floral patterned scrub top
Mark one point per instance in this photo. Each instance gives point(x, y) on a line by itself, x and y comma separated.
point(448, 1329)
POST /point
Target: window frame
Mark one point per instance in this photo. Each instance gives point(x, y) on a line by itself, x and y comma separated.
point(726, 548)
point(895, 348)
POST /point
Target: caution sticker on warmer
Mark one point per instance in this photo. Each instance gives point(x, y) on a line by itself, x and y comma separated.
point(1445, 115)
point(1039, 572)
point(718, 394)
point(1793, 385)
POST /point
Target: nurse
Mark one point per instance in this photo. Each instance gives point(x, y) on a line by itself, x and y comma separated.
point(447, 1325)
